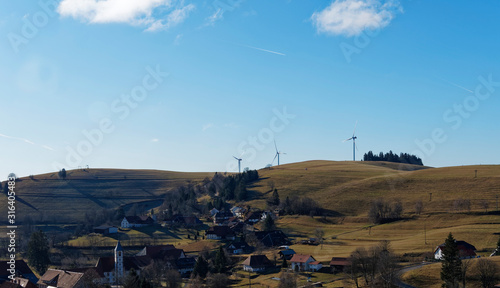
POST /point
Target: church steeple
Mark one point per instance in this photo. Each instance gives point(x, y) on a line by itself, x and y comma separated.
point(118, 262)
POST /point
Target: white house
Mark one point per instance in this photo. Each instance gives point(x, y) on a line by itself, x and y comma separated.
point(315, 266)
point(465, 250)
point(136, 221)
point(301, 262)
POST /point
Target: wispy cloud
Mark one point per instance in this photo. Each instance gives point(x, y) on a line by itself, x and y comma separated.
point(137, 13)
point(207, 126)
point(261, 49)
point(175, 17)
point(218, 15)
point(177, 39)
point(154, 140)
point(352, 17)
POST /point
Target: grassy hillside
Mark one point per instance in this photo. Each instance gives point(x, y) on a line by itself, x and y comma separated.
point(349, 187)
point(66, 201)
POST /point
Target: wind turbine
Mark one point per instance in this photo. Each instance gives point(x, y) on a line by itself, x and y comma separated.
point(353, 138)
point(239, 163)
point(277, 154)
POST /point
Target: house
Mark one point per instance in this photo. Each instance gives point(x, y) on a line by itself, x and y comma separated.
point(136, 221)
point(213, 212)
point(113, 269)
point(238, 247)
point(55, 278)
point(252, 217)
point(105, 229)
point(266, 214)
point(238, 211)
point(301, 262)
point(221, 217)
point(162, 252)
point(23, 282)
point(287, 254)
point(220, 233)
point(256, 263)
point(338, 264)
point(185, 265)
point(272, 238)
point(22, 270)
point(315, 266)
point(465, 250)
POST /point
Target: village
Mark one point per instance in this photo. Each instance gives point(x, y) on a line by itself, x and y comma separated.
point(245, 242)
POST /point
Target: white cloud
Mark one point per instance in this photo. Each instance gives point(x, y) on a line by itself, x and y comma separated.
point(177, 39)
point(133, 12)
point(352, 17)
point(155, 140)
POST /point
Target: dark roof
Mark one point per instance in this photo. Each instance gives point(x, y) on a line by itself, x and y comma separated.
point(465, 249)
point(107, 264)
point(221, 231)
point(188, 220)
point(139, 219)
point(238, 245)
point(118, 247)
point(253, 216)
point(185, 263)
point(60, 278)
point(340, 261)
point(272, 238)
point(154, 250)
point(287, 252)
point(257, 261)
point(21, 268)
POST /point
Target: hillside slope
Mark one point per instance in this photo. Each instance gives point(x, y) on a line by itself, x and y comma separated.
point(46, 197)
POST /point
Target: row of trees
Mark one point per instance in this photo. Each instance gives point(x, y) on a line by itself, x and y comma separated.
point(392, 157)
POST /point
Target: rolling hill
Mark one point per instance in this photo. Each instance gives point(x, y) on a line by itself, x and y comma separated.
point(66, 201)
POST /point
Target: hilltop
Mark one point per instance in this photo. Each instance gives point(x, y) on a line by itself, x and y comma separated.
point(46, 197)
point(346, 188)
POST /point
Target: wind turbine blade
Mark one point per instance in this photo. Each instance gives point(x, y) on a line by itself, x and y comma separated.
point(282, 153)
point(274, 158)
point(236, 158)
point(275, 146)
point(347, 139)
point(355, 128)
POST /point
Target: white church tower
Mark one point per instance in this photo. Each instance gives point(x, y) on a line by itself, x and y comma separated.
point(118, 262)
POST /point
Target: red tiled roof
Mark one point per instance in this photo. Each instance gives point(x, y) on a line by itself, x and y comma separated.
point(314, 263)
point(301, 258)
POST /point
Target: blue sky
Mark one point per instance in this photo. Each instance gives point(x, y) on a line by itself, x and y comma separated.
point(185, 85)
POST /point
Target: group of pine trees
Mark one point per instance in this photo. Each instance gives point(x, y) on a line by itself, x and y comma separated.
point(393, 157)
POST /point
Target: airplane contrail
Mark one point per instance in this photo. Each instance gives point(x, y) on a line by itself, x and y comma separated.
point(458, 86)
point(261, 49)
point(26, 141)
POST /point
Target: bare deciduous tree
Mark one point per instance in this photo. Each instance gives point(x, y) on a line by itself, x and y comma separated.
point(487, 272)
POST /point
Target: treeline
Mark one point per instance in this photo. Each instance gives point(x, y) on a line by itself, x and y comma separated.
point(392, 157)
point(221, 188)
point(384, 212)
point(301, 206)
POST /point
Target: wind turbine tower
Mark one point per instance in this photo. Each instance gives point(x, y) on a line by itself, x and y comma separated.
point(353, 138)
point(277, 155)
point(239, 163)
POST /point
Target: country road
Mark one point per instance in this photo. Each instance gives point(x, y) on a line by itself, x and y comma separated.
point(400, 273)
